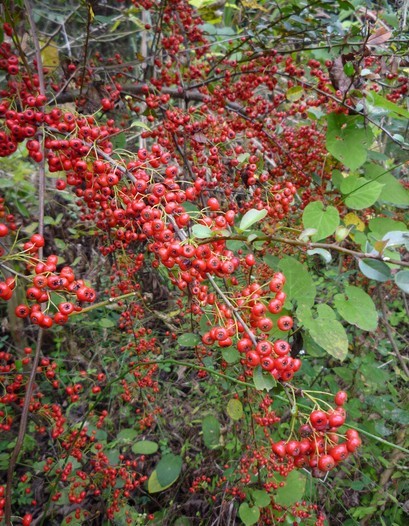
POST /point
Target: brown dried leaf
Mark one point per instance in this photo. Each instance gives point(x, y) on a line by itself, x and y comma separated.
point(339, 79)
point(200, 138)
point(380, 36)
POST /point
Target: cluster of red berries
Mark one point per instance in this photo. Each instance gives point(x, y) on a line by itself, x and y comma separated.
point(320, 447)
point(257, 305)
point(48, 280)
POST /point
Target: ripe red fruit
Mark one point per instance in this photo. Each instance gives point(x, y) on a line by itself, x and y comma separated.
point(265, 324)
point(339, 452)
point(37, 240)
point(264, 348)
point(4, 230)
point(279, 448)
point(107, 104)
point(27, 519)
point(267, 363)
point(326, 463)
point(353, 444)
point(244, 345)
point(22, 311)
point(336, 418)
point(285, 323)
point(5, 291)
point(319, 420)
point(253, 358)
point(250, 260)
point(293, 448)
point(281, 347)
point(340, 398)
point(275, 306)
point(213, 204)
point(219, 333)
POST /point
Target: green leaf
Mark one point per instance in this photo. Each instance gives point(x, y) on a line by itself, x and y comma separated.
point(21, 208)
point(299, 284)
point(271, 261)
point(295, 93)
point(189, 339)
point(140, 124)
point(357, 308)
point(293, 491)
point(249, 515)
point(119, 141)
point(377, 100)
point(360, 192)
point(211, 431)
point(251, 217)
point(154, 485)
point(201, 231)
point(348, 139)
point(235, 409)
point(374, 269)
point(393, 191)
point(106, 323)
point(382, 225)
point(325, 254)
point(402, 280)
point(324, 221)
point(261, 497)
point(113, 456)
point(349, 69)
point(127, 435)
point(263, 380)
point(325, 330)
point(168, 469)
point(243, 157)
point(145, 447)
point(230, 355)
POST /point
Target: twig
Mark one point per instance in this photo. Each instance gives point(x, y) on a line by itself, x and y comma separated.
point(390, 334)
point(22, 429)
point(33, 372)
point(309, 245)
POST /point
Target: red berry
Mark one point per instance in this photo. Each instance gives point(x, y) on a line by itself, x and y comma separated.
point(319, 420)
point(37, 240)
point(340, 398)
point(285, 323)
point(4, 230)
point(339, 452)
point(326, 463)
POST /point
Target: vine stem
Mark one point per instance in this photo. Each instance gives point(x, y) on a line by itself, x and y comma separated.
point(309, 245)
point(390, 334)
point(41, 204)
point(109, 301)
point(22, 429)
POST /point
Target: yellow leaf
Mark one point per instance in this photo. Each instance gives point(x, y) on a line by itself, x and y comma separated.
point(49, 55)
point(154, 485)
point(252, 4)
point(353, 219)
point(379, 246)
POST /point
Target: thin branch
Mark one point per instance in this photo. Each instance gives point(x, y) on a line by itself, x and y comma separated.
point(22, 429)
point(390, 333)
point(41, 203)
point(308, 245)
